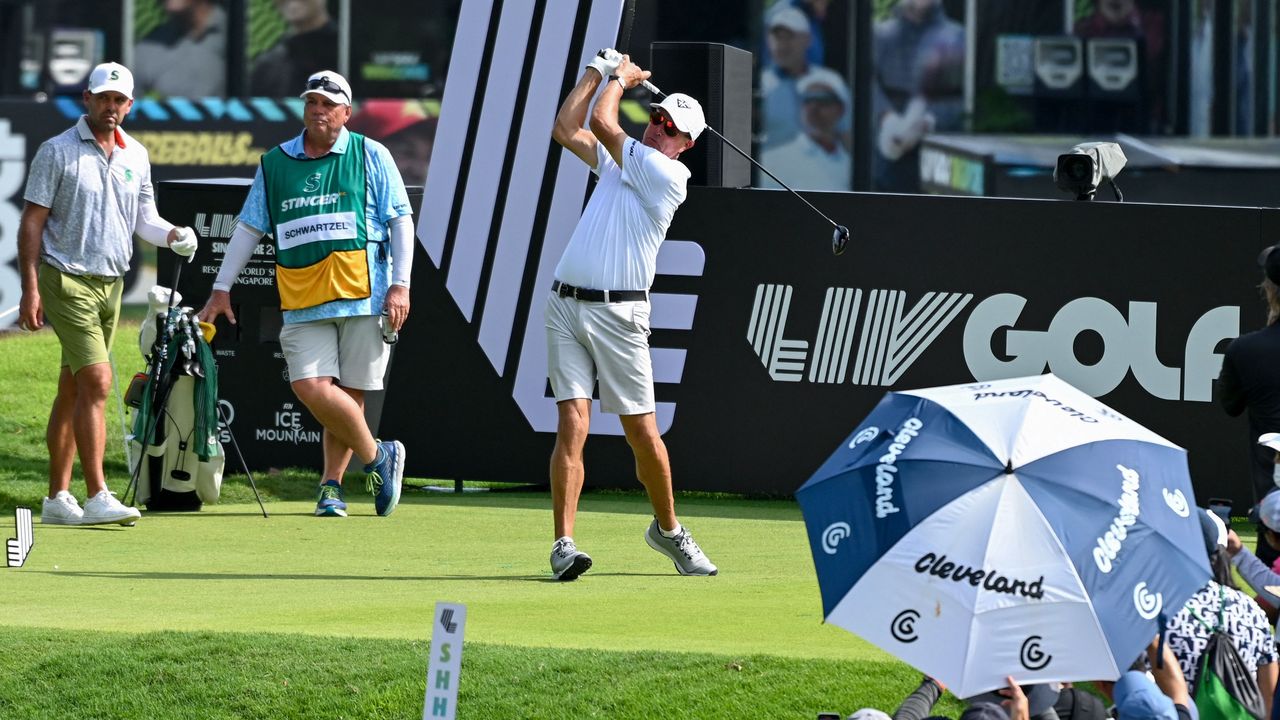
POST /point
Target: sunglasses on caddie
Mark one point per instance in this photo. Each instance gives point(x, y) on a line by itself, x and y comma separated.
point(324, 83)
point(668, 127)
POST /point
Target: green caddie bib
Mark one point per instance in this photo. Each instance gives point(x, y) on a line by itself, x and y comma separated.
point(316, 207)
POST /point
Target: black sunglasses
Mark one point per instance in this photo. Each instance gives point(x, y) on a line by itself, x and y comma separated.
point(668, 127)
point(324, 83)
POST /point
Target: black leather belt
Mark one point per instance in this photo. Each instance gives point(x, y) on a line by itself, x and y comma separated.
point(577, 293)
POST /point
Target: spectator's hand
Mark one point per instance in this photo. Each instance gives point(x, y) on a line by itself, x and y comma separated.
point(397, 306)
point(183, 241)
point(1017, 704)
point(606, 62)
point(1233, 543)
point(218, 305)
point(31, 311)
point(901, 132)
point(630, 73)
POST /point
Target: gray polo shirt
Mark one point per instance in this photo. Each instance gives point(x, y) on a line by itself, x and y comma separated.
point(93, 200)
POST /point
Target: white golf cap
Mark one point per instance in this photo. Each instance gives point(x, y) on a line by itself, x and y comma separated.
point(329, 84)
point(822, 82)
point(685, 112)
point(1271, 440)
point(111, 76)
point(788, 17)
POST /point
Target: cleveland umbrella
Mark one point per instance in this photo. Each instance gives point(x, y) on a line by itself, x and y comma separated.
point(1014, 527)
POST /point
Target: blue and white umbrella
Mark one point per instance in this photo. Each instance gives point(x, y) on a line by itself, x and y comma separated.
point(1015, 527)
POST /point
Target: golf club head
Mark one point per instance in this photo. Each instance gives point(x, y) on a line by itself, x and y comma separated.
point(839, 238)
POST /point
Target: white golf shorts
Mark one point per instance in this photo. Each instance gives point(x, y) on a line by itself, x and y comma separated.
point(349, 349)
point(587, 341)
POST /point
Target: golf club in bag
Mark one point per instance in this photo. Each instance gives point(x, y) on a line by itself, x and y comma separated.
point(839, 234)
point(177, 433)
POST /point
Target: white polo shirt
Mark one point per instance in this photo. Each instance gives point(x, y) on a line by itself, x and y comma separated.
point(805, 165)
point(615, 246)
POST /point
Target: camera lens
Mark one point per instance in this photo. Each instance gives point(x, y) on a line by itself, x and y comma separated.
point(1079, 170)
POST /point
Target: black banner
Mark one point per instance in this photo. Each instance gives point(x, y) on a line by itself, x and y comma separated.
point(769, 350)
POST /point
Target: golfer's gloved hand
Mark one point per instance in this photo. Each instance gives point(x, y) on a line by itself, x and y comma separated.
point(606, 62)
point(185, 243)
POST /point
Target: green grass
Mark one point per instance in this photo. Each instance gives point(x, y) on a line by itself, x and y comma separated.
point(225, 614)
point(238, 675)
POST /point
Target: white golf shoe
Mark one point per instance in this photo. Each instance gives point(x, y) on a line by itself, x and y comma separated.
point(105, 509)
point(62, 509)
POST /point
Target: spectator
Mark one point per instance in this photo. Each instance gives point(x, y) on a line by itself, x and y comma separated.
point(815, 11)
point(1013, 701)
point(1220, 604)
point(407, 131)
point(816, 159)
point(1136, 698)
point(919, 87)
point(1249, 381)
point(310, 42)
point(187, 55)
point(787, 34)
point(1076, 704)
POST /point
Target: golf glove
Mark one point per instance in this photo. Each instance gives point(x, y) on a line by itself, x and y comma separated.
point(606, 62)
point(186, 243)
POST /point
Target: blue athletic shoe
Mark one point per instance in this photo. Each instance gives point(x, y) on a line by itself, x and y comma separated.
point(330, 503)
point(385, 476)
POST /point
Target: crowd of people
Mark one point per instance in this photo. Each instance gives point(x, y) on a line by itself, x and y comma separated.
point(806, 108)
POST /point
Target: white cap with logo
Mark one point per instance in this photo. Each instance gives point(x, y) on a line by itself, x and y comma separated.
point(111, 76)
point(685, 112)
point(789, 17)
point(329, 84)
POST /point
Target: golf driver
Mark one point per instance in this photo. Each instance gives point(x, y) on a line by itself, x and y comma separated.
point(839, 234)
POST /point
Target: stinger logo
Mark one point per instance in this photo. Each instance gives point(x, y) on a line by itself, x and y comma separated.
point(312, 183)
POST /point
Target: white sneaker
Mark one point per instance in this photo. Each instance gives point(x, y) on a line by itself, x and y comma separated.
point(105, 509)
point(61, 510)
point(681, 549)
point(567, 561)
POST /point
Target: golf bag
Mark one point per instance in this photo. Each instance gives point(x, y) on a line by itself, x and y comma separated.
point(1224, 688)
point(175, 429)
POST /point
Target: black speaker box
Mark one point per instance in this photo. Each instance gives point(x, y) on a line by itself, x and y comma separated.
point(719, 77)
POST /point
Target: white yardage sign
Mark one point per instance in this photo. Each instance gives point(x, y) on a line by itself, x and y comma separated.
point(445, 667)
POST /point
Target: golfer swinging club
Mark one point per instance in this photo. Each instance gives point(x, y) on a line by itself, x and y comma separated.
point(597, 316)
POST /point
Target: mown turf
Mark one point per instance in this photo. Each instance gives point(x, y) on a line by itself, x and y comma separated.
point(56, 674)
point(223, 613)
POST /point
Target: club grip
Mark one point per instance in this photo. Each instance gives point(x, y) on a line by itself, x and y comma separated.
point(652, 88)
